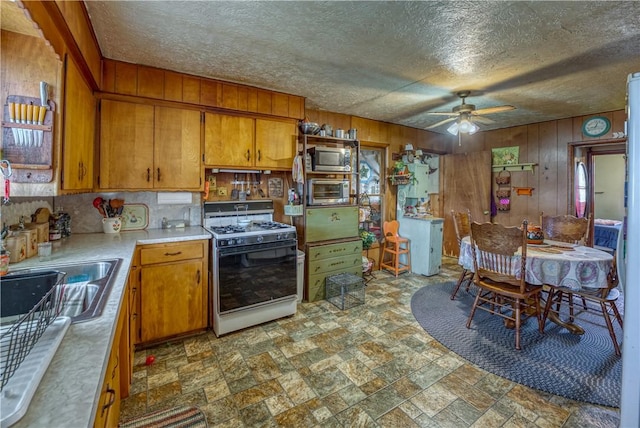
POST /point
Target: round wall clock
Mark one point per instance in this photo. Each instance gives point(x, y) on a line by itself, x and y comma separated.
point(596, 126)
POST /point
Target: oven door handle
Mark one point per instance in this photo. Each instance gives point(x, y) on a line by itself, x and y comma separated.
point(252, 248)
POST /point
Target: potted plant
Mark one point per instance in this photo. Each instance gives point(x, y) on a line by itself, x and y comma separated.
point(400, 174)
point(368, 238)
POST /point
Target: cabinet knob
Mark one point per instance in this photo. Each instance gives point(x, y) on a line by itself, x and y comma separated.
point(158, 174)
point(259, 156)
point(148, 174)
point(248, 154)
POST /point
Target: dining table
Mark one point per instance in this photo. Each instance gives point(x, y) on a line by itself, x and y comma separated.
point(557, 264)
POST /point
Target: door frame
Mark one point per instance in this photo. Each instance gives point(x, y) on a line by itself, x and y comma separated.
point(592, 148)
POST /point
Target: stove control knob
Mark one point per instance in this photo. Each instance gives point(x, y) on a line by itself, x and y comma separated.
point(239, 241)
point(259, 238)
point(222, 242)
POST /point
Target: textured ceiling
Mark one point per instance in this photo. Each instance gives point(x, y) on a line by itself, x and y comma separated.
point(393, 61)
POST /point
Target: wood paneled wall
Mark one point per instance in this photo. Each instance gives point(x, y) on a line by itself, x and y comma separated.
point(137, 80)
point(545, 144)
point(21, 75)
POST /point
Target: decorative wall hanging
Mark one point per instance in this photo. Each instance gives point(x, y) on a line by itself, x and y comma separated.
point(505, 155)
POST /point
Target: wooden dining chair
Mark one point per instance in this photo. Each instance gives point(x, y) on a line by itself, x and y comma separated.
point(501, 275)
point(566, 228)
point(395, 246)
point(462, 226)
point(603, 300)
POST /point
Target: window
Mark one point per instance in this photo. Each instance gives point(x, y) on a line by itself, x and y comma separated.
point(371, 199)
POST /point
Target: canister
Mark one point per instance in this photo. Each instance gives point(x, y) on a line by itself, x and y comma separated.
point(31, 236)
point(42, 229)
point(4, 261)
point(16, 245)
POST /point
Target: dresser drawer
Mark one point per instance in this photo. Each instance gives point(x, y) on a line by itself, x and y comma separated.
point(163, 253)
point(334, 250)
point(334, 263)
point(316, 290)
point(323, 224)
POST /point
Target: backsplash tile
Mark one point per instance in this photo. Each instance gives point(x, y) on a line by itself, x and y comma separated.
point(86, 219)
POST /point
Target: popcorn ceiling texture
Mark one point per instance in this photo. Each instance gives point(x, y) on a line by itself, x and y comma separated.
point(392, 61)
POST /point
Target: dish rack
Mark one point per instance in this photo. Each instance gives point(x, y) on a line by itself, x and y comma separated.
point(17, 339)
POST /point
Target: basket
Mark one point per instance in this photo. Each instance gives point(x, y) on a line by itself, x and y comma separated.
point(504, 204)
point(503, 180)
point(503, 194)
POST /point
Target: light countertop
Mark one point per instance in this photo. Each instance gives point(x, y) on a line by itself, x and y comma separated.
point(69, 391)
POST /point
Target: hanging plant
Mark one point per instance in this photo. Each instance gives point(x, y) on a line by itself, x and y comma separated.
point(400, 174)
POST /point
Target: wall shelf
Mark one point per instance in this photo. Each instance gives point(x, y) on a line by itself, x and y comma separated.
point(514, 167)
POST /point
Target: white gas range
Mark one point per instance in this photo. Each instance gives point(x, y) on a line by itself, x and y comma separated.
point(253, 263)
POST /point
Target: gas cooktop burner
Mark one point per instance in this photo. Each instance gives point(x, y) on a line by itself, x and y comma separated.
point(269, 225)
point(228, 229)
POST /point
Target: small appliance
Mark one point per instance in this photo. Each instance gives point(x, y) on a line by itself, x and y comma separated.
point(330, 159)
point(327, 191)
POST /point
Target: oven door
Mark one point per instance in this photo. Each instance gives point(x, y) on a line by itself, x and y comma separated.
point(255, 274)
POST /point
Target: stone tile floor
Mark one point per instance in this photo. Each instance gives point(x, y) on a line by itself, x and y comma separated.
point(369, 366)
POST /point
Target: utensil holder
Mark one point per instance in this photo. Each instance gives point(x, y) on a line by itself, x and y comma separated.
point(111, 224)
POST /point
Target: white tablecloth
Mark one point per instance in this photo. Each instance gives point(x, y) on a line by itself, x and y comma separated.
point(580, 267)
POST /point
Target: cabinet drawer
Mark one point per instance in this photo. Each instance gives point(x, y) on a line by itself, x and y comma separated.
point(323, 224)
point(334, 250)
point(172, 252)
point(316, 282)
point(335, 263)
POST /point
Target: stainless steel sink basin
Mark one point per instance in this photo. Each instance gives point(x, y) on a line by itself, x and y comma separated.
point(91, 280)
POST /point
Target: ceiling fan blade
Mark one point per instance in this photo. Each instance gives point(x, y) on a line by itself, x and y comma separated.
point(490, 110)
point(442, 113)
point(482, 119)
point(442, 122)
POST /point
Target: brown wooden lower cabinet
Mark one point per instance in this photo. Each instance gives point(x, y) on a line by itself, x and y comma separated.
point(173, 289)
point(108, 411)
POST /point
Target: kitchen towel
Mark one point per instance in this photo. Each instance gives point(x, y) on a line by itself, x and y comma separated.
point(297, 172)
point(73, 298)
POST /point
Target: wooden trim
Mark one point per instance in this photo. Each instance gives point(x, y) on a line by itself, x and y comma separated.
point(37, 10)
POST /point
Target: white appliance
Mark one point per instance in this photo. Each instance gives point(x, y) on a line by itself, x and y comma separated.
point(425, 240)
point(253, 264)
point(630, 395)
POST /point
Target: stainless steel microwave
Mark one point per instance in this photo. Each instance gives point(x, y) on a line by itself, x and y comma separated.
point(330, 159)
point(327, 191)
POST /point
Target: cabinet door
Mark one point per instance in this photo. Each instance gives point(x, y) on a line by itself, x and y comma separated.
point(420, 188)
point(275, 143)
point(172, 299)
point(126, 145)
point(228, 140)
point(331, 223)
point(177, 149)
point(79, 131)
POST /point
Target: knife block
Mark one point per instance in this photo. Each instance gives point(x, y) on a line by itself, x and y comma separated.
point(30, 163)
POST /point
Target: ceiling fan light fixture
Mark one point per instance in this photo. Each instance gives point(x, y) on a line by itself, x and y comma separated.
point(464, 126)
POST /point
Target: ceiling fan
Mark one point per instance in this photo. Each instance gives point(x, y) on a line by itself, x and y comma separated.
point(465, 115)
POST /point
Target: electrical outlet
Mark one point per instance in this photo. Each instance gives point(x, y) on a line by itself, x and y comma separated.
point(222, 191)
point(212, 180)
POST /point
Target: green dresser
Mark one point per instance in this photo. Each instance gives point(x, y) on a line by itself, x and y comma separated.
point(324, 224)
point(329, 259)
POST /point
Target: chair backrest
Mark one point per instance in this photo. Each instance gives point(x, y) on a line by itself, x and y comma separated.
point(461, 223)
point(566, 228)
point(390, 228)
point(496, 252)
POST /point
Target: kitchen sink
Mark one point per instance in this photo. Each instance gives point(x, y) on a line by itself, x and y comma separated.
point(86, 288)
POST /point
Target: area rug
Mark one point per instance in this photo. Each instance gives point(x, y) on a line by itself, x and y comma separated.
point(583, 368)
point(178, 417)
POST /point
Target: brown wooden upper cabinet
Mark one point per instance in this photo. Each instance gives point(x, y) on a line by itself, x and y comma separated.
point(236, 141)
point(79, 131)
point(149, 147)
